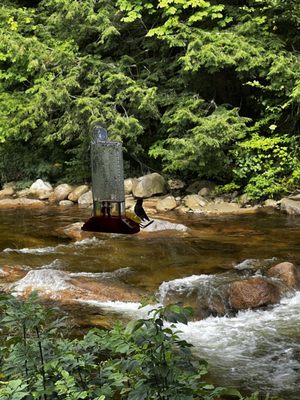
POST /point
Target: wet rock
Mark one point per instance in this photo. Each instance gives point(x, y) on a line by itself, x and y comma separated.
point(128, 185)
point(61, 192)
point(160, 225)
point(73, 231)
point(286, 272)
point(77, 192)
point(166, 203)
point(59, 285)
point(149, 185)
point(40, 189)
point(21, 202)
point(194, 202)
point(252, 293)
point(290, 206)
point(12, 273)
point(205, 294)
point(86, 199)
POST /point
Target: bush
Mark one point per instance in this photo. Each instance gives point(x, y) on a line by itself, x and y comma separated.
point(144, 360)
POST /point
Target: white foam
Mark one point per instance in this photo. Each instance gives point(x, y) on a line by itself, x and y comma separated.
point(256, 347)
point(182, 284)
point(130, 309)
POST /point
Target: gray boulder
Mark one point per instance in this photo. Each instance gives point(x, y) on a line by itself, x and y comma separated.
point(149, 185)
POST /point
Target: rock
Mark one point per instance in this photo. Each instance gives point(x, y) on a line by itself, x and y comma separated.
point(61, 192)
point(129, 201)
point(181, 209)
point(286, 272)
point(86, 199)
point(291, 207)
point(128, 185)
point(160, 225)
point(194, 202)
point(66, 203)
point(175, 184)
point(252, 292)
point(224, 208)
point(6, 192)
point(204, 192)
point(74, 232)
point(77, 192)
point(65, 287)
point(40, 189)
point(166, 203)
point(149, 185)
point(244, 200)
point(195, 187)
point(24, 193)
point(271, 203)
point(21, 202)
point(205, 294)
point(9, 185)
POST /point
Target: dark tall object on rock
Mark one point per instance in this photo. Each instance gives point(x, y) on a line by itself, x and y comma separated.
point(108, 186)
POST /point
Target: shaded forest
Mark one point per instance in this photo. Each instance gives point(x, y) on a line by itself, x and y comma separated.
point(195, 89)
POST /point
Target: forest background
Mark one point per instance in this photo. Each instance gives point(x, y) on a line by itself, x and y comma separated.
point(196, 89)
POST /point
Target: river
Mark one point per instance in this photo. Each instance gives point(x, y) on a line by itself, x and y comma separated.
point(255, 350)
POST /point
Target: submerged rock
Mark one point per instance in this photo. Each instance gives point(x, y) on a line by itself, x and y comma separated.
point(21, 202)
point(60, 285)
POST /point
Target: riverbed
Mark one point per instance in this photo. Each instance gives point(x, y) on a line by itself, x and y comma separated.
point(255, 350)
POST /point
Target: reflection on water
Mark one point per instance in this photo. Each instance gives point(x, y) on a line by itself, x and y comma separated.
point(256, 350)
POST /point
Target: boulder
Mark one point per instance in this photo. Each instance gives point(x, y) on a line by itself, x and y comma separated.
point(286, 272)
point(86, 199)
point(40, 189)
point(61, 192)
point(149, 185)
point(271, 203)
point(290, 206)
point(77, 192)
point(128, 185)
point(252, 292)
point(221, 207)
point(6, 192)
point(166, 203)
point(194, 202)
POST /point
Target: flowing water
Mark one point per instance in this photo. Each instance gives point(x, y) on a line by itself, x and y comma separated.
point(255, 350)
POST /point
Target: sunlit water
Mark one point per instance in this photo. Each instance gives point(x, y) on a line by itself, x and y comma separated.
point(255, 350)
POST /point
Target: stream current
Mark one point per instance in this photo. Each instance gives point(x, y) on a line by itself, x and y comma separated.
point(255, 350)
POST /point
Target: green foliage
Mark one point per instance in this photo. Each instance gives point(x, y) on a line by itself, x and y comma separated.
point(181, 83)
point(263, 163)
point(144, 360)
point(199, 140)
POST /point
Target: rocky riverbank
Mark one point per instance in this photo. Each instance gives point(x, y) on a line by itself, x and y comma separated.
point(160, 196)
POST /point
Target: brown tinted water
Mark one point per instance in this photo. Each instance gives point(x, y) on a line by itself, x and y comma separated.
point(237, 348)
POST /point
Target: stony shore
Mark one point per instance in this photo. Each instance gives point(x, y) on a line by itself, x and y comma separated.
point(160, 196)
